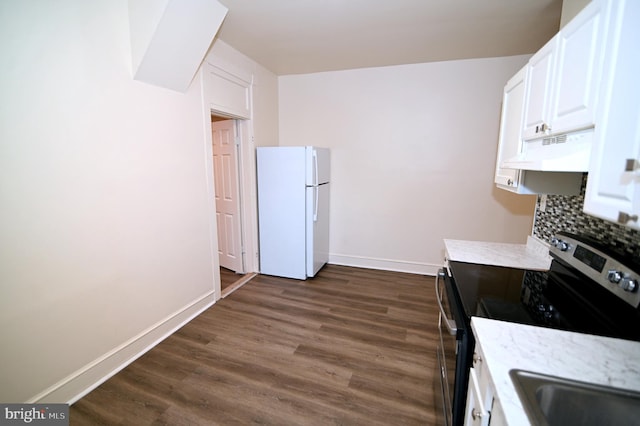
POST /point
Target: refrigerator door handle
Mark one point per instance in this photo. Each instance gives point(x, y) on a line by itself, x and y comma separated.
point(316, 191)
point(315, 165)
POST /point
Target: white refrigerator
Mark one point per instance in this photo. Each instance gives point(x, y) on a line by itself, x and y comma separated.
point(293, 210)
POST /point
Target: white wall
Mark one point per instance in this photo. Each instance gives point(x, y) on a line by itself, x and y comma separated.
point(105, 215)
point(570, 8)
point(413, 157)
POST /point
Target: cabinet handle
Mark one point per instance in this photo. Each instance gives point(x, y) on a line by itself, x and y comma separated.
point(626, 217)
point(475, 414)
point(476, 358)
point(543, 128)
point(631, 165)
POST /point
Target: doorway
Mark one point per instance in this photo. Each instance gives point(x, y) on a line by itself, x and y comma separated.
point(226, 139)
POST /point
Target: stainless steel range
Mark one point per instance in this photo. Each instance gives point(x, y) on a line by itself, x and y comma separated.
point(589, 288)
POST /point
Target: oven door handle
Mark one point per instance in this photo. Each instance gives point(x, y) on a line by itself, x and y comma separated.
point(450, 323)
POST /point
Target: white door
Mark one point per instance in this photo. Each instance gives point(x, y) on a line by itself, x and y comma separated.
point(225, 168)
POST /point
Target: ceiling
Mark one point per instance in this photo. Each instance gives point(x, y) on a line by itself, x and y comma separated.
point(306, 36)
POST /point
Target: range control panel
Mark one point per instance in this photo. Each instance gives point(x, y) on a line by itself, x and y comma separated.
point(603, 269)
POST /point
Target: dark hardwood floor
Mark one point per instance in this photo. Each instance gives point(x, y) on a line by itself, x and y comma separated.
point(227, 277)
point(348, 347)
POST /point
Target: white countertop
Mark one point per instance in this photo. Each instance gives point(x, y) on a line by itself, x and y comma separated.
point(534, 255)
point(575, 356)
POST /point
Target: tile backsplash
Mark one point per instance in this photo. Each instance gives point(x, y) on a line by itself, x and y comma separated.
point(564, 213)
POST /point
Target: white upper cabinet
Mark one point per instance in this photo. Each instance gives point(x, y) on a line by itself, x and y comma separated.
point(613, 183)
point(579, 65)
point(510, 145)
point(510, 141)
point(563, 78)
point(538, 90)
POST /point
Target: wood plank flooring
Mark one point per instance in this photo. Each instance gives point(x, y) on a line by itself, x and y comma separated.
point(228, 277)
point(348, 347)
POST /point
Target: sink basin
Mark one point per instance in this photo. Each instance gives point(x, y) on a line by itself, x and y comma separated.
point(551, 400)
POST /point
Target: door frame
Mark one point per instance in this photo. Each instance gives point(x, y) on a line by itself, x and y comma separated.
point(227, 91)
point(247, 196)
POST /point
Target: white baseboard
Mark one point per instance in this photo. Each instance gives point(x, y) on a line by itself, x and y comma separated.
point(385, 264)
point(89, 377)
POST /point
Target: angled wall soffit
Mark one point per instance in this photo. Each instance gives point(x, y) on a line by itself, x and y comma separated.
point(170, 38)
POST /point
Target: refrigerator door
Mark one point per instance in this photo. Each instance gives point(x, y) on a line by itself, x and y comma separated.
point(317, 217)
point(282, 211)
point(318, 165)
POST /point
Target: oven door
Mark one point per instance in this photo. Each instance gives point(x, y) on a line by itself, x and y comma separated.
point(448, 346)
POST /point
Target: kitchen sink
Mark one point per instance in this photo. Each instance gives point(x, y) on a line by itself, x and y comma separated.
point(550, 400)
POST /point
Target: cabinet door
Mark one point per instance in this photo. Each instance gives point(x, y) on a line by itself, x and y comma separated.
point(510, 139)
point(497, 414)
point(538, 90)
point(613, 183)
point(475, 414)
point(578, 69)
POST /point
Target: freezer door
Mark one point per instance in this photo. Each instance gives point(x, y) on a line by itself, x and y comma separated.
point(317, 217)
point(318, 168)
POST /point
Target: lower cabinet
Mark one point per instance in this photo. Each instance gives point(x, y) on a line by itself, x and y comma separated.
point(483, 408)
point(475, 413)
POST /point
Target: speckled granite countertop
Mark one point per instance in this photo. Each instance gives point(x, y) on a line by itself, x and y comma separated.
point(534, 255)
point(575, 356)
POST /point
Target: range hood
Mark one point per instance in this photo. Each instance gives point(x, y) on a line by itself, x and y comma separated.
point(560, 153)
